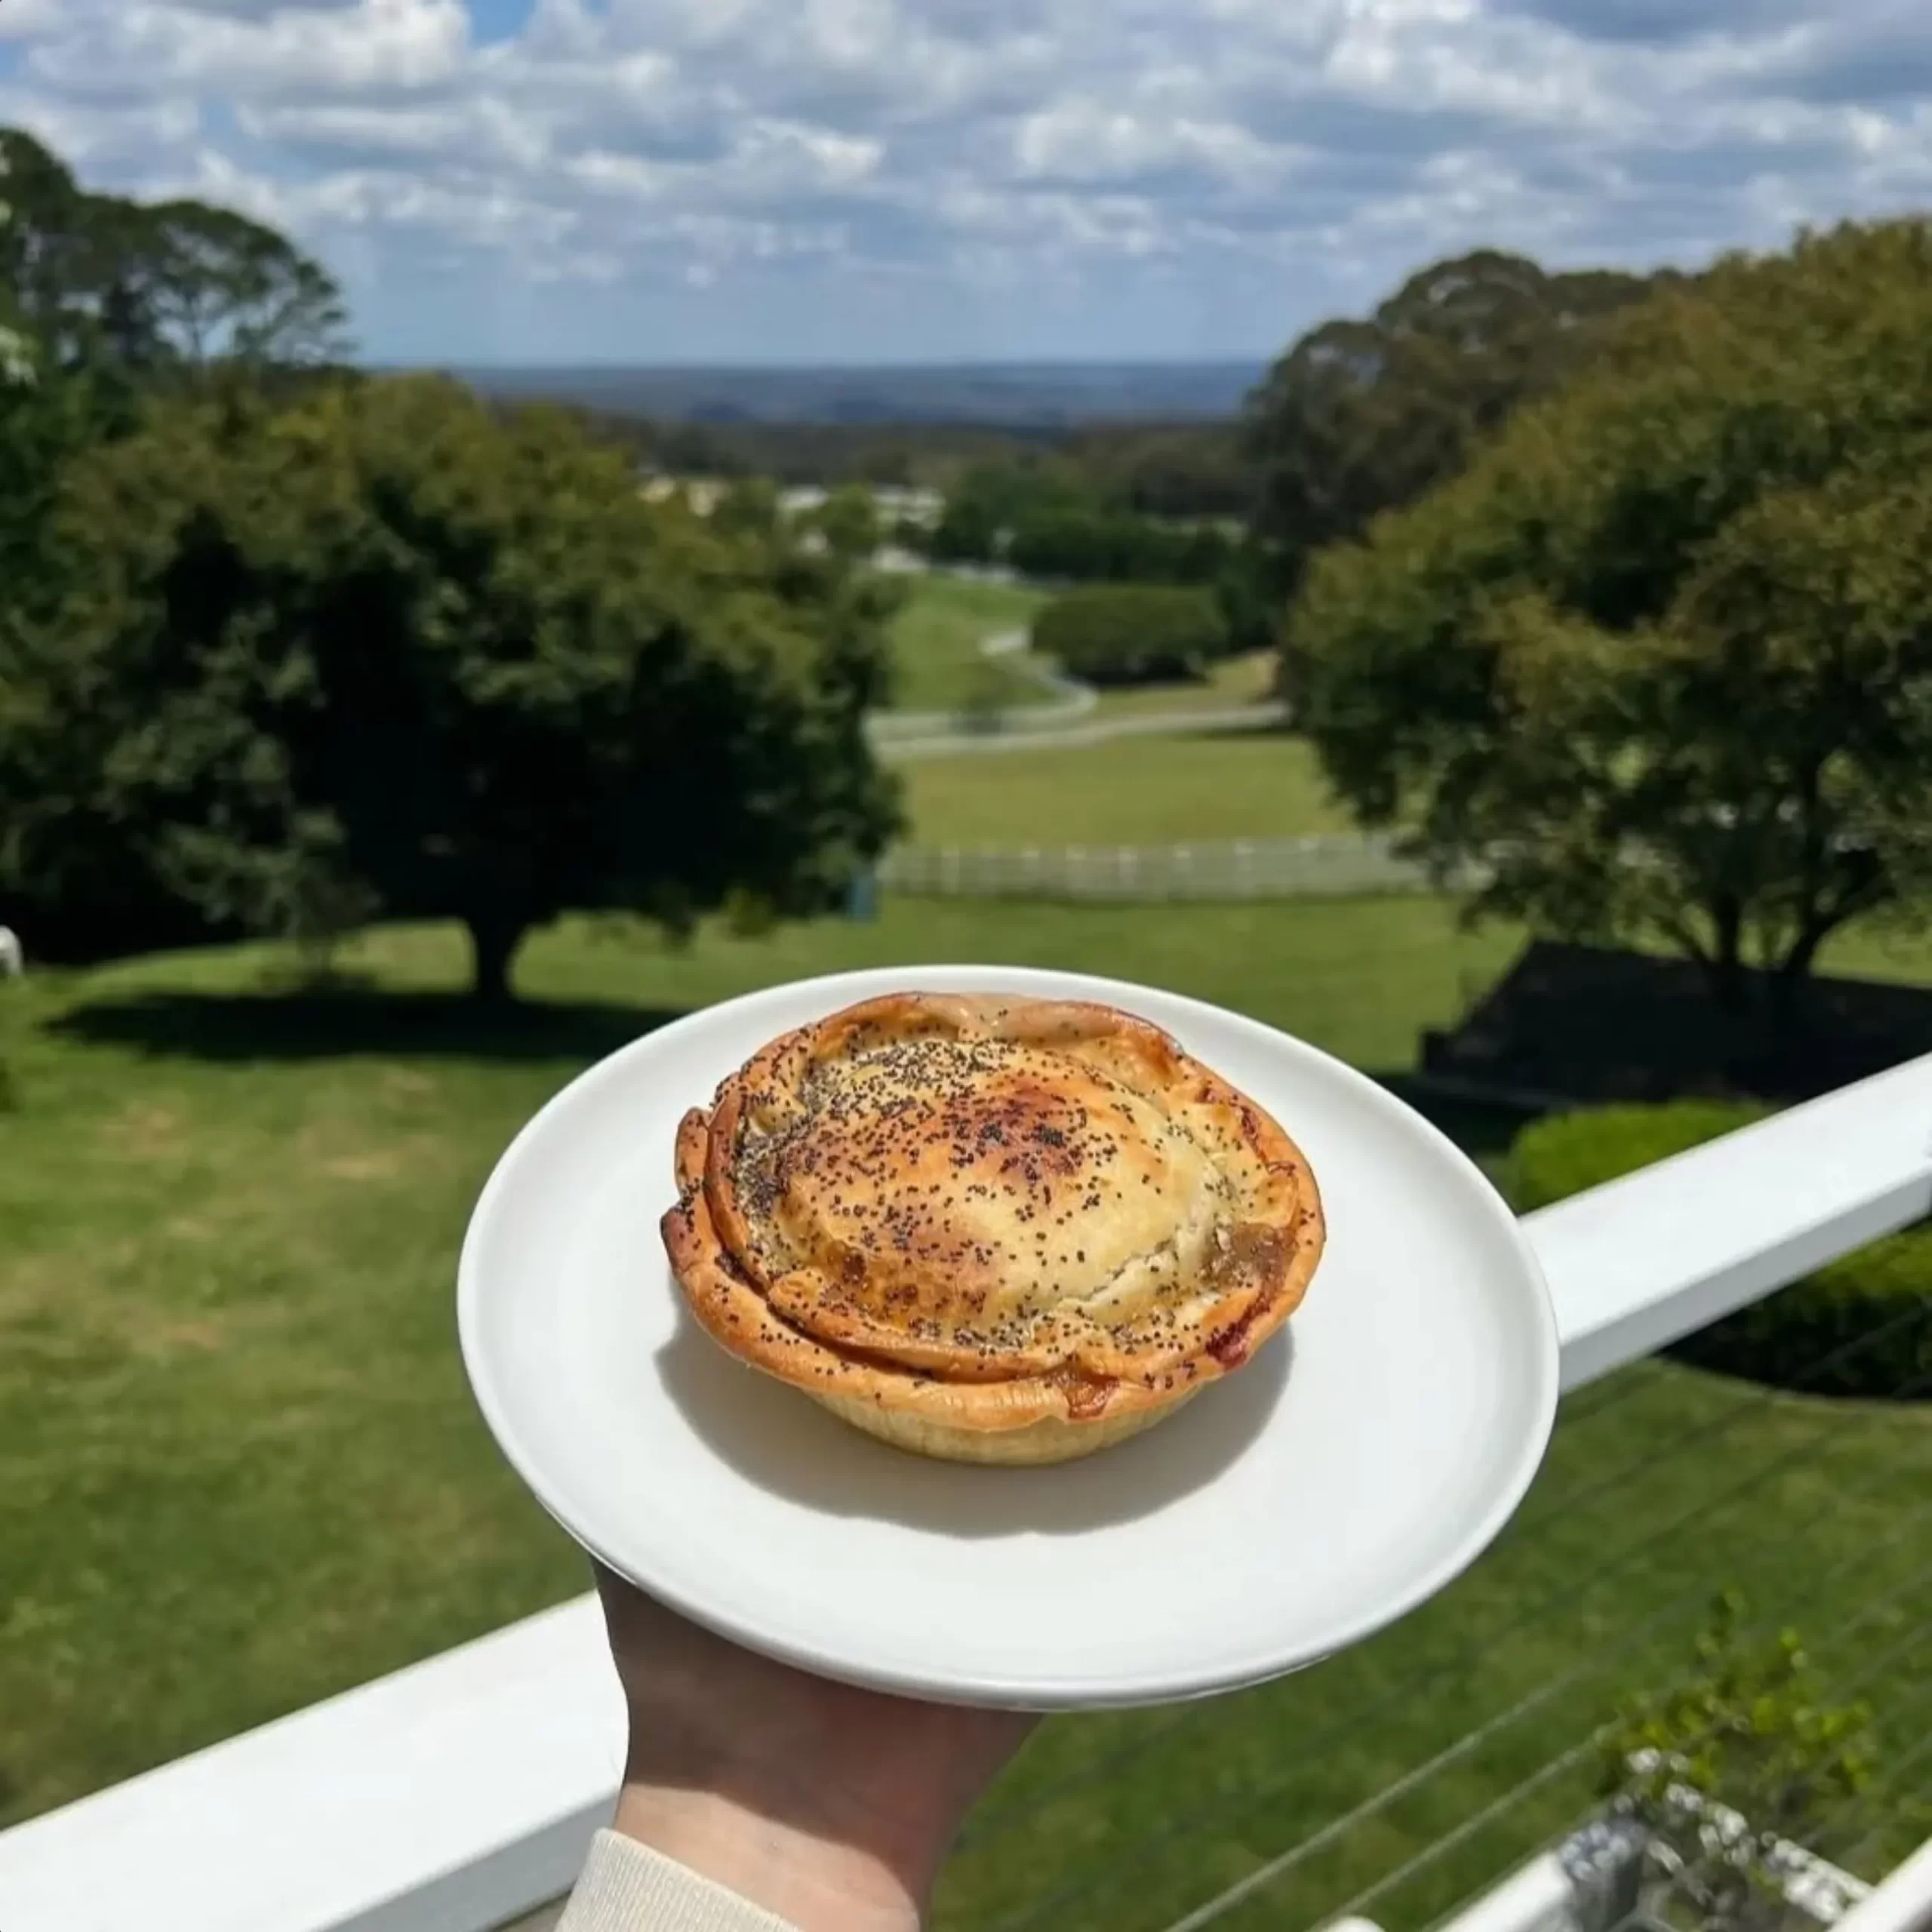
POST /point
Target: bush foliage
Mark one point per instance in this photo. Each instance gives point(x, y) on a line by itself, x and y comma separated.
point(1861, 1326)
point(1133, 634)
point(1727, 1768)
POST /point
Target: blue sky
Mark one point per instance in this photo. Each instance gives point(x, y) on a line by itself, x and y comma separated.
point(863, 180)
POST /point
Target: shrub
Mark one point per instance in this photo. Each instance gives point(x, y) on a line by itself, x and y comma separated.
point(1802, 1338)
point(1753, 1729)
point(1131, 634)
point(1554, 1158)
point(1090, 545)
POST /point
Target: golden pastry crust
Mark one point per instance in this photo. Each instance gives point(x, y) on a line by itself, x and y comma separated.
point(987, 1228)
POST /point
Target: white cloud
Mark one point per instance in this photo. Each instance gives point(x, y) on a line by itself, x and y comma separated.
point(21, 19)
point(237, 54)
point(940, 177)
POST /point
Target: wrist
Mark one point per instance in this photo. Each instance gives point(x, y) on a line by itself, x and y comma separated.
point(819, 1875)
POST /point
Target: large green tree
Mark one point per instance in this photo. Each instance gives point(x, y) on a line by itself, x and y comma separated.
point(46, 409)
point(147, 289)
point(104, 302)
point(1662, 660)
point(384, 650)
point(986, 501)
point(1364, 415)
point(848, 520)
point(1193, 469)
point(34, 435)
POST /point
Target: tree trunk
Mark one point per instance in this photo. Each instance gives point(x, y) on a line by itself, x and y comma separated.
point(1729, 985)
point(1790, 988)
point(1737, 1046)
point(1729, 981)
point(493, 939)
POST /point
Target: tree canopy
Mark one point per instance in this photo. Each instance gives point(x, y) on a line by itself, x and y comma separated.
point(279, 654)
point(1663, 658)
point(1096, 546)
point(1061, 520)
point(385, 651)
point(37, 427)
point(1362, 416)
point(105, 302)
point(848, 521)
point(151, 288)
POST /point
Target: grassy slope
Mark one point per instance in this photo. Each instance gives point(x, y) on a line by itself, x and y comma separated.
point(238, 1469)
point(937, 635)
point(937, 638)
point(1134, 791)
point(1597, 1589)
point(1244, 680)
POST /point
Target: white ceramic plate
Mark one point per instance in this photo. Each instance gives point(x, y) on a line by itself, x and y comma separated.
point(1349, 1472)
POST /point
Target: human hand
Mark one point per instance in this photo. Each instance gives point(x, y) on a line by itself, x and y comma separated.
point(832, 1807)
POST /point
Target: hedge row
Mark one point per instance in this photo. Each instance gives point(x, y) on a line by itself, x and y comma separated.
point(1862, 1326)
point(1129, 634)
point(1101, 546)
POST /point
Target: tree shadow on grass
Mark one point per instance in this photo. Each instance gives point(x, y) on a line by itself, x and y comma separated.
point(342, 1022)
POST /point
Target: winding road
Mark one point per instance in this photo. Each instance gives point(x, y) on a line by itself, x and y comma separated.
point(1065, 723)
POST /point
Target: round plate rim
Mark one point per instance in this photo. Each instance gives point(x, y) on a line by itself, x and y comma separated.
point(1064, 1694)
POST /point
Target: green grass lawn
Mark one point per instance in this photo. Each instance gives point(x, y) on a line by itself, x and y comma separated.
point(936, 640)
point(1134, 791)
point(239, 1469)
point(1817, 1512)
point(238, 1466)
point(938, 665)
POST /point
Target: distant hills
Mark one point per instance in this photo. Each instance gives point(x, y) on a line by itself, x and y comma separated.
point(1011, 395)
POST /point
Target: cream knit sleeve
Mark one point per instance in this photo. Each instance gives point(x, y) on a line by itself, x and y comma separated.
point(626, 1887)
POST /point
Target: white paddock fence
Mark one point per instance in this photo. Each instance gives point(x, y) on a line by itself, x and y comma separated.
point(457, 1794)
point(1331, 866)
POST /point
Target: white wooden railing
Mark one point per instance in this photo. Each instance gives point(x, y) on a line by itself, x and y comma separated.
point(1903, 1904)
point(1323, 865)
point(456, 1794)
